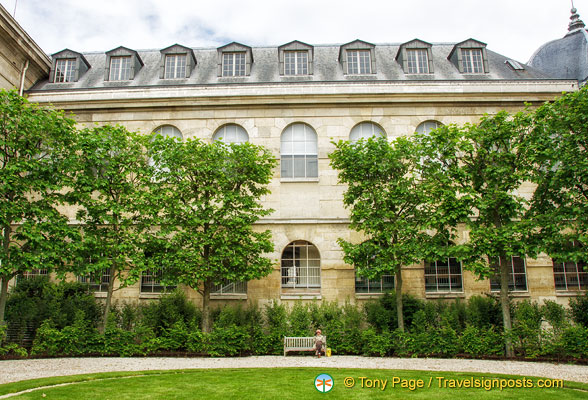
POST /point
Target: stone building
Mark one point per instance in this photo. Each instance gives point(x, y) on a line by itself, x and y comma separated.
point(296, 99)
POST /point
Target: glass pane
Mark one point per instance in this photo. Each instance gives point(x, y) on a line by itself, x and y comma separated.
point(299, 166)
point(311, 167)
point(287, 167)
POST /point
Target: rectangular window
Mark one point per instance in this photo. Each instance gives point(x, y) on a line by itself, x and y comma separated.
point(34, 273)
point(295, 62)
point(230, 287)
point(570, 275)
point(120, 68)
point(175, 66)
point(234, 64)
point(443, 276)
point(472, 61)
point(517, 276)
point(65, 70)
point(358, 62)
point(418, 61)
point(98, 283)
point(151, 283)
point(364, 285)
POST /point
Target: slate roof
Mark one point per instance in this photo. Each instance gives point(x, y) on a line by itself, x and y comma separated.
point(565, 58)
point(265, 69)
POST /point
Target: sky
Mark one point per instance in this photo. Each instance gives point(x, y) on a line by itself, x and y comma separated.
point(513, 28)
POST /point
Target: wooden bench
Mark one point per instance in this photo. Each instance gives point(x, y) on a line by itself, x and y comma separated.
point(300, 344)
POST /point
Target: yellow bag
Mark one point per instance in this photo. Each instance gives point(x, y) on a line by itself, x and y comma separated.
point(328, 352)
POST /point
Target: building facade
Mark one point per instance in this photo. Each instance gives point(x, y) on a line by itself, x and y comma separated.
point(297, 99)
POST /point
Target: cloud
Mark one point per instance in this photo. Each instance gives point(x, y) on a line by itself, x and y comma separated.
point(513, 28)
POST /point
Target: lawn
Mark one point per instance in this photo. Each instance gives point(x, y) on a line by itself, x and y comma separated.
point(289, 383)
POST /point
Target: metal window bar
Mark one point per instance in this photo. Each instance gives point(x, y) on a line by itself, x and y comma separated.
point(443, 276)
point(376, 286)
point(230, 287)
point(151, 283)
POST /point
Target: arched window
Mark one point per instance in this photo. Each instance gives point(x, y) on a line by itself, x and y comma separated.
point(299, 152)
point(301, 267)
point(428, 126)
point(443, 275)
point(169, 131)
point(366, 130)
point(231, 133)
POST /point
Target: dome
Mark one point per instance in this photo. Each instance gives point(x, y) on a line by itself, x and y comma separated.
point(565, 58)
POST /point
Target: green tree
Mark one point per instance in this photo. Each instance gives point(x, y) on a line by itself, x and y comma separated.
point(34, 233)
point(558, 147)
point(482, 169)
point(206, 201)
point(392, 206)
point(110, 186)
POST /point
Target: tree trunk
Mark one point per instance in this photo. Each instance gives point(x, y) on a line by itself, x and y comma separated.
point(505, 304)
point(206, 323)
point(399, 308)
point(3, 297)
point(108, 298)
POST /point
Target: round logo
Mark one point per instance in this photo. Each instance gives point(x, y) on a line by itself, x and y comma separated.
point(324, 383)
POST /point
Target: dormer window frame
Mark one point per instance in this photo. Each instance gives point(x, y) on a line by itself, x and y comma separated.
point(298, 50)
point(120, 53)
point(75, 66)
point(462, 56)
point(177, 50)
point(358, 49)
point(417, 46)
point(232, 51)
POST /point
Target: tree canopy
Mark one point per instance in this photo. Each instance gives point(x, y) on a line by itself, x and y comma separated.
point(35, 234)
point(205, 202)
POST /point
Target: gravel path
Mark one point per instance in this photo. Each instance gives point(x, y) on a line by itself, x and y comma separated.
point(13, 371)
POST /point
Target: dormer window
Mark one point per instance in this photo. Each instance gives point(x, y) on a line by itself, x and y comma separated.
point(120, 68)
point(295, 58)
point(234, 64)
point(358, 62)
point(296, 63)
point(470, 57)
point(175, 66)
point(358, 58)
point(471, 60)
point(177, 62)
point(415, 57)
point(418, 61)
point(122, 64)
point(67, 66)
point(64, 70)
point(234, 60)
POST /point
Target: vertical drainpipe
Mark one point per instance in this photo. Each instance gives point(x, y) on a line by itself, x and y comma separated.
point(22, 76)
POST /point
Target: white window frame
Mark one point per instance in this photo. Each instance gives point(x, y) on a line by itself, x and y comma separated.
point(231, 133)
point(175, 66)
point(366, 130)
point(120, 68)
point(65, 70)
point(472, 61)
point(374, 286)
point(98, 284)
point(417, 61)
point(295, 62)
point(300, 272)
point(228, 287)
point(294, 151)
point(512, 287)
point(444, 282)
point(359, 62)
point(570, 271)
point(234, 63)
point(151, 283)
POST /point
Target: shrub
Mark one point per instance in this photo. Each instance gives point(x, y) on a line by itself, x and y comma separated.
point(227, 341)
point(483, 312)
point(479, 342)
point(579, 309)
point(554, 313)
point(526, 332)
point(168, 310)
point(300, 320)
point(376, 344)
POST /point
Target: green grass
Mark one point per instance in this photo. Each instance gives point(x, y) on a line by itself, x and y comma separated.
point(272, 383)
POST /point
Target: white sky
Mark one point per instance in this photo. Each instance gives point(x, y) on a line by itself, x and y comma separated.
point(514, 28)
